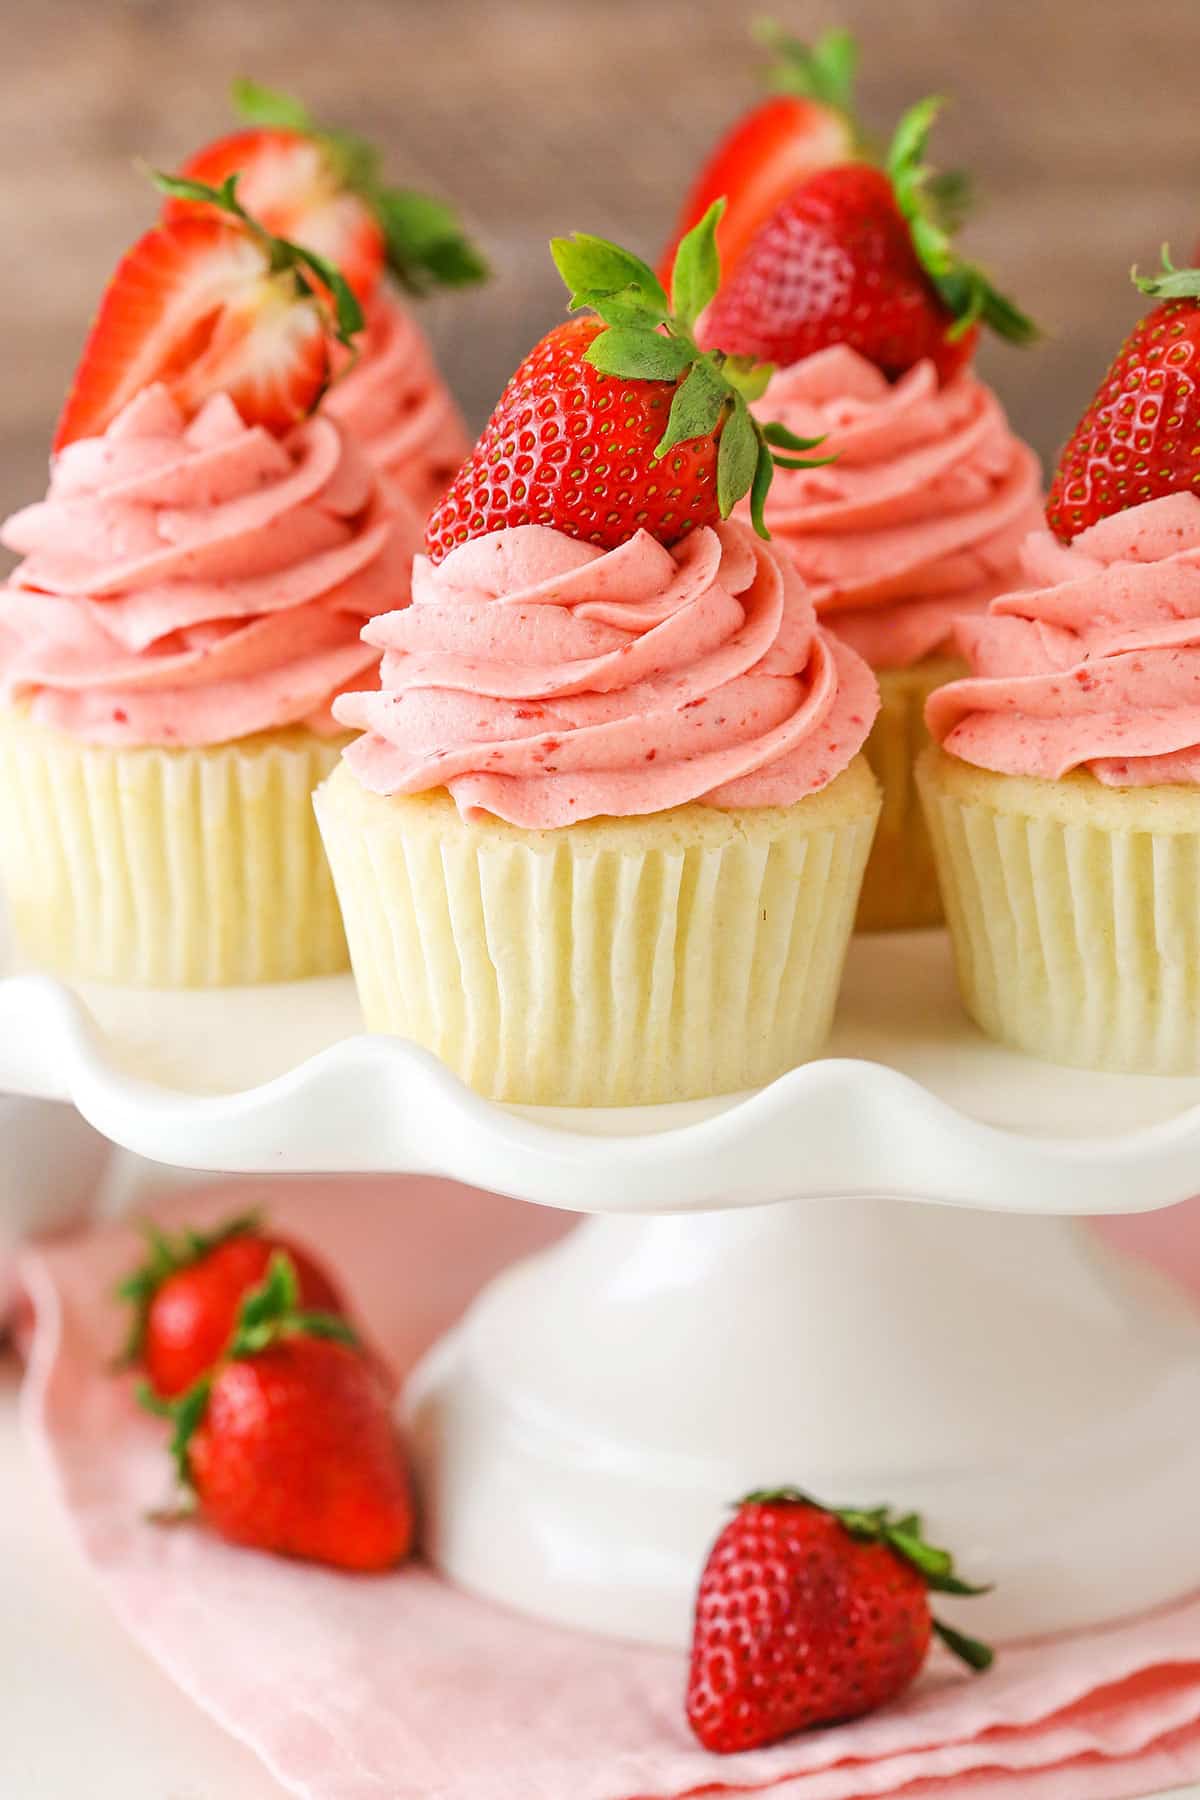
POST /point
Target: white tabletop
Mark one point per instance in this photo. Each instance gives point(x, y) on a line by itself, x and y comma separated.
point(83, 1710)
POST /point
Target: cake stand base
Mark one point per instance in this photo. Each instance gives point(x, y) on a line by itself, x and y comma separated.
point(583, 1431)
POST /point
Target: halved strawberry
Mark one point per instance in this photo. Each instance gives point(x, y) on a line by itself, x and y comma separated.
point(777, 145)
point(212, 304)
point(290, 183)
point(325, 189)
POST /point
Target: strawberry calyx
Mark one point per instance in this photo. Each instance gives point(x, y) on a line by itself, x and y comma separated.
point(651, 337)
point(426, 245)
point(1168, 283)
point(824, 70)
point(284, 257)
point(269, 1314)
point(934, 205)
point(166, 1256)
point(902, 1534)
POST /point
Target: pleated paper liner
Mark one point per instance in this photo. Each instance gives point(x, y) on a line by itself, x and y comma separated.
point(168, 868)
point(611, 963)
point(900, 889)
point(1075, 913)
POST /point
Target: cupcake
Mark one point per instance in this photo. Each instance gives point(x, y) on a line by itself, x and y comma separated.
point(1063, 795)
point(189, 602)
point(601, 840)
point(853, 290)
point(324, 190)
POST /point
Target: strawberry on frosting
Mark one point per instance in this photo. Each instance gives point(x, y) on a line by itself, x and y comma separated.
point(918, 515)
point(188, 581)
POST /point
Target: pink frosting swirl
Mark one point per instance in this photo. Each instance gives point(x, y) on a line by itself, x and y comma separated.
point(920, 518)
point(395, 402)
point(189, 583)
point(545, 681)
point(1096, 664)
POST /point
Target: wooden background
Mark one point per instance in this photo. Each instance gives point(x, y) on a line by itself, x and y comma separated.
point(1078, 118)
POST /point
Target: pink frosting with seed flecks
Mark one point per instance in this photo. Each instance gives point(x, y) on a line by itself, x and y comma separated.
point(394, 401)
point(1095, 664)
point(544, 680)
point(919, 519)
point(189, 582)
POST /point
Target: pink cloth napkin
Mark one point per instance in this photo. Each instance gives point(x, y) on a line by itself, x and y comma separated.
point(401, 1688)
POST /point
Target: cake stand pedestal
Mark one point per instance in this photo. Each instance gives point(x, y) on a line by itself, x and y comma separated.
point(863, 1280)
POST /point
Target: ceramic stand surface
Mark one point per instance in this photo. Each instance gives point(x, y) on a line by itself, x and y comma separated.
point(582, 1433)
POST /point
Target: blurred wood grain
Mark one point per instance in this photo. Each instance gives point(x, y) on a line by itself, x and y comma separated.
point(1077, 119)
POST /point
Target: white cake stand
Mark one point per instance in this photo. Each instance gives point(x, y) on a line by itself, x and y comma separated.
point(756, 1301)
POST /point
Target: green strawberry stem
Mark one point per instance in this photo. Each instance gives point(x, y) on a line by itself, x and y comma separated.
point(903, 1537)
point(283, 256)
point(651, 337)
point(426, 244)
point(824, 70)
point(269, 1314)
point(166, 1256)
point(1168, 283)
point(934, 205)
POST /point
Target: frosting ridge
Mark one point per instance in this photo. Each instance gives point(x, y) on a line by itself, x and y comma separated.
point(545, 681)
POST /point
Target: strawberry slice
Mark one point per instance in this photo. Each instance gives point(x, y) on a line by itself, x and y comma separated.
point(324, 189)
point(291, 185)
point(777, 145)
point(211, 304)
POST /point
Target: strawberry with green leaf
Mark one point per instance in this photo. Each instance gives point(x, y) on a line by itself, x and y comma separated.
point(808, 1615)
point(325, 188)
point(865, 256)
point(621, 422)
point(213, 303)
point(288, 1445)
point(807, 124)
point(187, 1292)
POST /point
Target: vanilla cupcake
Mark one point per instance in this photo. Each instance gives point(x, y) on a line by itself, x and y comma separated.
point(189, 602)
point(916, 522)
point(602, 838)
point(1064, 798)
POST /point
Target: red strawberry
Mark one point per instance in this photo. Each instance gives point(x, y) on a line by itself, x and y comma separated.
point(324, 189)
point(289, 1446)
point(188, 1293)
point(807, 1616)
point(777, 145)
point(619, 424)
point(856, 256)
point(290, 184)
point(210, 305)
point(1138, 439)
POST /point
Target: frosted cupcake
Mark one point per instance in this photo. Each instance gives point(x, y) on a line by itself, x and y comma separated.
point(324, 189)
point(602, 838)
point(189, 602)
point(1064, 800)
point(853, 290)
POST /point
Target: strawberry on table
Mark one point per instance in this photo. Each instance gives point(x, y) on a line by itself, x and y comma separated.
point(325, 189)
point(622, 422)
point(1138, 438)
point(806, 125)
point(187, 1294)
point(808, 1615)
point(864, 256)
point(289, 1445)
point(213, 304)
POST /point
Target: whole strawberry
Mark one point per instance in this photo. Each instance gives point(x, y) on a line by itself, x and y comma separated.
point(289, 1445)
point(1137, 440)
point(806, 125)
point(862, 256)
point(188, 1293)
point(325, 189)
point(621, 423)
point(808, 1615)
